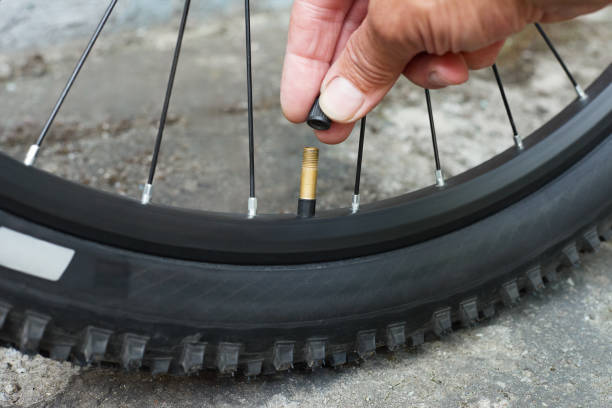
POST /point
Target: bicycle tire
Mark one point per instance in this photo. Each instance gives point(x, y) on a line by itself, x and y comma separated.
point(181, 314)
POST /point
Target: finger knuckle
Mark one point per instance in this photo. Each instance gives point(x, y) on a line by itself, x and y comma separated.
point(364, 68)
point(385, 23)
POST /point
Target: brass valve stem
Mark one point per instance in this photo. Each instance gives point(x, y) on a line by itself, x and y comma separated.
point(308, 182)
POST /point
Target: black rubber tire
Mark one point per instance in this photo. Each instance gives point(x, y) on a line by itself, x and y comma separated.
point(134, 309)
point(332, 235)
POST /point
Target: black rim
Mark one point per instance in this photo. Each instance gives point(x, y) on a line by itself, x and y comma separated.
point(332, 235)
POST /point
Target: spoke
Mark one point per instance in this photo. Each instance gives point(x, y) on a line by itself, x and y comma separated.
point(577, 87)
point(148, 189)
point(252, 203)
point(356, 198)
point(33, 151)
point(517, 138)
point(439, 176)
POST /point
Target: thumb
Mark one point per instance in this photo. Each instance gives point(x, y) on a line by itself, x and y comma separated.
point(364, 72)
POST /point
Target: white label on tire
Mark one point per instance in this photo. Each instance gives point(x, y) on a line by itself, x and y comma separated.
point(33, 256)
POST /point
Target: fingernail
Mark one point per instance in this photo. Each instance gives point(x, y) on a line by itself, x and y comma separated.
point(341, 100)
point(436, 79)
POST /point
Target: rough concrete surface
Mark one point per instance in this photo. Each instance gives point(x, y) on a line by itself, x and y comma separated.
point(553, 350)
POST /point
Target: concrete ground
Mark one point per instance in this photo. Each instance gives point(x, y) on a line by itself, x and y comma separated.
point(553, 350)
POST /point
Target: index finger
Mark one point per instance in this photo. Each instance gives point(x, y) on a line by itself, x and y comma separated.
point(313, 34)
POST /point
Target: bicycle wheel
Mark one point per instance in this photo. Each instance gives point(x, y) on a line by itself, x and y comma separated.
point(96, 277)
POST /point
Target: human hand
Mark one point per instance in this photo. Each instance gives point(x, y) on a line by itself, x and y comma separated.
point(353, 51)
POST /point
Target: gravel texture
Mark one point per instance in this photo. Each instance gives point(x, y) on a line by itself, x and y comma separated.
point(553, 350)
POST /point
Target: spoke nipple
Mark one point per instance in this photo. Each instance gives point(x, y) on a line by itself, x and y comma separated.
point(355, 204)
point(317, 119)
point(518, 142)
point(146, 194)
point(31, 155)
point(580, 92)
point(440, 178)
point(308, 182)
point(252, 207)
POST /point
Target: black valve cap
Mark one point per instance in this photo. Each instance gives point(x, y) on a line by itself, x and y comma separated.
point(317, 119)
